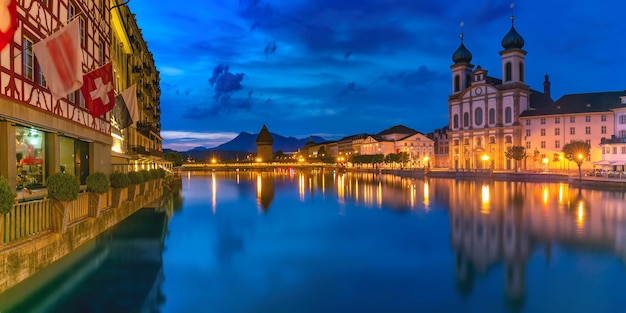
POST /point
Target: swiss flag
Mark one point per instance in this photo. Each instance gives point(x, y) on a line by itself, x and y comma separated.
point(8, 21)
point(98, 90)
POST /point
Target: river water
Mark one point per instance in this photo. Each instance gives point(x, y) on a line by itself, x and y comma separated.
point(320, 241)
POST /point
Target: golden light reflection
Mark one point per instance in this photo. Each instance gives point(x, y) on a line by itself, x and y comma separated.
point(301, 186)
point(426, 196)
point(484, 208)
point(379, 194)
point(545, 195)
point(560, 193)
point(412, 196)
point(214, 193)
point(580, 221)
point(259, 185)
point(341, 191)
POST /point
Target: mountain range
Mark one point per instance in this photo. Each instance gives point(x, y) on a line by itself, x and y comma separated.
point(245, 143)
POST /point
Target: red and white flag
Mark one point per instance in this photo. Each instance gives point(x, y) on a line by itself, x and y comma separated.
point(98, 90)
point(60, 59)
point(8, 21)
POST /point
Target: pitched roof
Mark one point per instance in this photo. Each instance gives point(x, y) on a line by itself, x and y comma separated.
point(398, 129)
point(264, 137)
point(579, 103)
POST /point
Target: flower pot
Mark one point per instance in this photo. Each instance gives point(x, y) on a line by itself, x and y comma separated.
point(60, 215)
point(133, 191)
point(97, 203)
point(119, 196)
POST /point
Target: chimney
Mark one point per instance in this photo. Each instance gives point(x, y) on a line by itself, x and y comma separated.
point(546, 85)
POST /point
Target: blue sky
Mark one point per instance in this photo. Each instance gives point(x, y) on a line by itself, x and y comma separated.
point(340, 67)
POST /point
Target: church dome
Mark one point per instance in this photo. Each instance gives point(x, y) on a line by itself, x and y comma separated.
point(512, 40)
point(462, 55)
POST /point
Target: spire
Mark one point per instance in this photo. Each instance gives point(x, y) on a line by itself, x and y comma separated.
point(546, 85)
point(462, 55)
point(512, 40)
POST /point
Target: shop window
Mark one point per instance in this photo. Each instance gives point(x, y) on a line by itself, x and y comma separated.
point(29, 156)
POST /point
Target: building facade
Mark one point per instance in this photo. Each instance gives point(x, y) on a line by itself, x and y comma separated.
point(264, 146)
point(442, 147)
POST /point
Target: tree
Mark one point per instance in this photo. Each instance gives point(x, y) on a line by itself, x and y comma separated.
point(516, 153)
point(577, 151)
point(391, 158)
point(403, 157)
point(174, 157)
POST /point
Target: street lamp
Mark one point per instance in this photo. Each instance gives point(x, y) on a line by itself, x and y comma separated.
point(485, 158)
point(426, 163)
point(545, 163)
point(213, 160)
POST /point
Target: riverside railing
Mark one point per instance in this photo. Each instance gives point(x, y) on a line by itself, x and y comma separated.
point(27, 219)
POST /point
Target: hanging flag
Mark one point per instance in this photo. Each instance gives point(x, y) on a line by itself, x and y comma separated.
point(120, 111)
point(60, 56)
point(130, 98)
point(8, 21)
point(98, 90)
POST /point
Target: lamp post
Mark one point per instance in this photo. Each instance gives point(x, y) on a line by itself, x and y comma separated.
point(485, 158)
point(426, 163)
point(580, 162)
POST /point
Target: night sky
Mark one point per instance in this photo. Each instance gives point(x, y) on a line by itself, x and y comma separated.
point(339, 67)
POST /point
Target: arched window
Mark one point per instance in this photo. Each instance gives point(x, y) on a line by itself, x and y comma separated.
point(521, 71)
point(507, 72)
point(465, 119)
point(456, 121)
point(492, 116)
point(457, 83)
point(508, 115)
point(478, 118)
point(468, 80)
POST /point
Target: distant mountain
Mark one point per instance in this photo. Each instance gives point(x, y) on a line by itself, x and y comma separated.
point(244, 144)
point(247, 142)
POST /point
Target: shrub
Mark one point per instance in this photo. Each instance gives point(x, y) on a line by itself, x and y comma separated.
point(135, 178)
point(63, 187)
point(161, 172)
point(7, 196)
point(97, 182)
point(119, 180)
point(155, 174)
point(146, 175)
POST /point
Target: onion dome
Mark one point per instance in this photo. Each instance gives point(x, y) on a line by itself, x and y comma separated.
point(462, 55)
point(512, 40)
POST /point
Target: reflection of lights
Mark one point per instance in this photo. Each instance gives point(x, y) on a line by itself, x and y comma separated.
point(258, 186)
point(341, 191)
point(580, 222)
point(301, 186)
point(560, 193)
point(426, 196)
point(379, 194)
point(485, 199)
point(214, 191)
point(545, 195)
point(258, 160)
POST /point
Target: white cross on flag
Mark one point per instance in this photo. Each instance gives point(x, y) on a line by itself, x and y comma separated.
point(8, 21)
point(98, 90)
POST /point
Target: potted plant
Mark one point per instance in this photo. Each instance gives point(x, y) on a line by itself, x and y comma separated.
point(62, 188)
point(147, 181)
point(156, 177)
point(119, 187)
point(7, 196)
point(97, 188)
point(136, 179)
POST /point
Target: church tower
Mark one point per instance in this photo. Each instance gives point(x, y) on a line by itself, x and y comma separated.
point(461, 69)
point(513, 56)
point(264, 144)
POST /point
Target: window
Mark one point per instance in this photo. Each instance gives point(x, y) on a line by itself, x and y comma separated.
point(492, 116)
point(587, 118)
point(465, 119)
point(614, 150)
point(456, 121)
point(478, 118)
point(28, 58)
point(527, 144)
point(543, 121)
point(71, 97)
point(588, 141)
point(622, 119)
point(508, 139)
point(41, 79)
point(492, 139)
point(102, 52)
point(543, 144)
point(29, 153)
point(466, 141)
point(82, 28)
point(527, 122)
point(572, 130)
point(528, 133)
point(572, 119)
point(557, 131)
point(623, 150)
point(603, 130)
point(457, 83)
point(543, 132)
point(557, 120)
point(587, 130)
point(456, 142)
point(557, 144)
point(71, 11)
point(603, 118)
point(622, 134)
point(508, 115)
point(507, 72)
point(521, 71)
point(479, 142)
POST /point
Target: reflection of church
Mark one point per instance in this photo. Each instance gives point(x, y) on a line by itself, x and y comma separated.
point(501, 223)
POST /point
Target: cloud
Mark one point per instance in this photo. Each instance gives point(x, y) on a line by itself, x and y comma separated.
point(185, 140)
